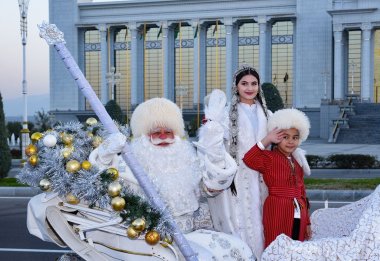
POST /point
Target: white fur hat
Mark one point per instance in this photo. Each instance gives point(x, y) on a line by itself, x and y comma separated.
point(157, 112)
point(290, 118)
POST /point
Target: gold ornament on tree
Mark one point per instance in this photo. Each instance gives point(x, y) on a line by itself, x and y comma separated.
point(72, 166)
point(91, 121)
point(113, 173)
point(152, 237)
point(33, 160)
point(71, 199)
point(31, 149)
point(114, 189)
point(132, 233)
point(168, 239)
point(36, 137)
point(66, 152)
point(45, 185)
point(67, 139)
point(86, 165)
point(96, 141)
point(118, 203)
point(139, 224)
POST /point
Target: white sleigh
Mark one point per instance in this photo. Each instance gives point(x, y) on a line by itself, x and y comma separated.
point(91, 233)
point(351, 232)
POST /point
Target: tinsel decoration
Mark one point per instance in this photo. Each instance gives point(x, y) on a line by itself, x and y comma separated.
point(88, 184)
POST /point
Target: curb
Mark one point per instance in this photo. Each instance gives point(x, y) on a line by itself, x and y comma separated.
point(337, 195)
point(313, 194)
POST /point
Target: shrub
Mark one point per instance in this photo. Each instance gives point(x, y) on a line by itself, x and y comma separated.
point(315, 161)
point(5, 155)
point(272, 97)
point(115, 111)
point(353, 161)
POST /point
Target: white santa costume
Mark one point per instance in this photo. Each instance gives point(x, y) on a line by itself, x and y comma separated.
point(177, 174)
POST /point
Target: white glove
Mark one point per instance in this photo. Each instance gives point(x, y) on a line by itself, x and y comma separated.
point(211, 141)
point(300, 156)
point(106, 154)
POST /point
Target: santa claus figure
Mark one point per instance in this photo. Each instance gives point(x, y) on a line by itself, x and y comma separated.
point(177, 173)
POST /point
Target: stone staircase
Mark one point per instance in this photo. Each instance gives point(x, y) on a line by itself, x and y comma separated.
point(364, 125)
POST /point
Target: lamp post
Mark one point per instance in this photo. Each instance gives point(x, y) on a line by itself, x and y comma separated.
point(23, 6)
point(113, 78)
point(352, 66)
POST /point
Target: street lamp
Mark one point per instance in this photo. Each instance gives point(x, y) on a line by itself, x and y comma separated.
point(113, 78)
point(23, 5)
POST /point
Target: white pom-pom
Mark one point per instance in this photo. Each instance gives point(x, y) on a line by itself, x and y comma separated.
point(50, 140)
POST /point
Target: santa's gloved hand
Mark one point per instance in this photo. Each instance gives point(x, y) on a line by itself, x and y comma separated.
point(107, 151)
point(211, 142)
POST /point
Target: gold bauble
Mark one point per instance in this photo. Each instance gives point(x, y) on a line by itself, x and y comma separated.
point(71, 199)
point(168, 239)
point(67, 138)
point(89, 134)
point(91, 121)
point(86, 165)
point(96, 141)
point(132, 233)
point(72, 166)
point(139, 224)
point(114, 189)
point(31, 149)
point(66, 152)
point(36, 137)
point(152, 237)
point(33, 160)
point(118, 203)
point(113, 173)
point(45, 185)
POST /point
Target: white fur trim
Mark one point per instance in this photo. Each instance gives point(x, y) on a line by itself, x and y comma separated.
point(219, 178)
point(290, 118)
point(157, 112)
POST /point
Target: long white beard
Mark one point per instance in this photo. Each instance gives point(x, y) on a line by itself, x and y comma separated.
point(174, 170)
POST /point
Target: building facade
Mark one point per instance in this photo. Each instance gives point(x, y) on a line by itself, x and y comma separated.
point(315, 52)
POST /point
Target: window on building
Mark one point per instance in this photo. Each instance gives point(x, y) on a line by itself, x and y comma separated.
point(215, 57)
point(184, 51)
point(249, 44)
point(153, 62)
point(354, 62)
point(282, 60)
point(122, 55)
point(92, 61)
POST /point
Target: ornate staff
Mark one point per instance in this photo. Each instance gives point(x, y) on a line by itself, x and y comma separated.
point(54, 36)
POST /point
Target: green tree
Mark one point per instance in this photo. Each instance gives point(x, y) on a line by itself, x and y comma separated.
point(115, 111)
point(272, 97)
point(14, 127)
point(5, 155)
point(43, 120)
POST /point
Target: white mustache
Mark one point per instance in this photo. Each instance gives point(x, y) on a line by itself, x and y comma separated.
point(159, 141)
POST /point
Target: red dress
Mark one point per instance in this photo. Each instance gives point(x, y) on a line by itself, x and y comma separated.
point(284, 184)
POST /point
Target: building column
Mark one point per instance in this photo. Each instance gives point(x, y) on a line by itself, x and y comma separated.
point(228, 25)
point(104, 97)
point(135, 34)
point(338, 62)
point(265, 44)
point(199, 64)
point(366, 61)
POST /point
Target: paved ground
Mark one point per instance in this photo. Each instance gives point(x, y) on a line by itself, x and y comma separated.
point(322, 148)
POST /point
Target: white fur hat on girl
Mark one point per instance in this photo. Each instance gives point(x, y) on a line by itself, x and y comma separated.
point(157, 112)
point(290, 118)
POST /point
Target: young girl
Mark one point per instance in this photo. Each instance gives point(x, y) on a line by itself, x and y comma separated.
point(286, 207)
